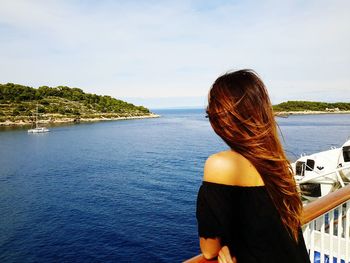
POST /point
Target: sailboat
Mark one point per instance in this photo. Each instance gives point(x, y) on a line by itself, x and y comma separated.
point(38, 129)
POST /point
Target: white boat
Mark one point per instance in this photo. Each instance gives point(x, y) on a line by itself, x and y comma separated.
point(321, 173)
point(38, 129)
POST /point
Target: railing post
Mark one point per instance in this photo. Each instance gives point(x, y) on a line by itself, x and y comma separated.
point(312, 244)
point(331, 233)
point(340, 228)
point(347, 231)
point(322, 238)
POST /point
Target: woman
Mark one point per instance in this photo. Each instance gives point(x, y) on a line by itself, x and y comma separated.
point(248, 206)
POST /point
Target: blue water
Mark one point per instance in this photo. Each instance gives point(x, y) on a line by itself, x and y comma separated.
point(317, 259)
point(121, 191)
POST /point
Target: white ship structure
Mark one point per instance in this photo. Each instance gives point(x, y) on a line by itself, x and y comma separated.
point(324, 172)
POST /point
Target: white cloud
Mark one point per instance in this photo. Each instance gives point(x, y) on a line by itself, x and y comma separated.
point(174, 49)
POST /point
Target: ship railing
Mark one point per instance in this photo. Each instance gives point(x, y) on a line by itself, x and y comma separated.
point(326, 227)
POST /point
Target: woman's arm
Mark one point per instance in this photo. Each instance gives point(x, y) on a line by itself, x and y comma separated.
point(211, 248)
point(219, 168)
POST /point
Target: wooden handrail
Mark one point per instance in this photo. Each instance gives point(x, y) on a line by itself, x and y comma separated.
point(325, 204)
point(310, 212)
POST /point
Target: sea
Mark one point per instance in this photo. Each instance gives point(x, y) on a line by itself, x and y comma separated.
point(121, 191)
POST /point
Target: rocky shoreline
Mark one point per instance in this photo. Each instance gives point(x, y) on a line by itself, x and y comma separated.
point(75, 120)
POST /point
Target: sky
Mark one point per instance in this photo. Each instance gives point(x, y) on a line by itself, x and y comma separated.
point(166, 54)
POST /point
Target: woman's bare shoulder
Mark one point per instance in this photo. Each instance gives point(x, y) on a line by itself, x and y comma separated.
point(231, 168)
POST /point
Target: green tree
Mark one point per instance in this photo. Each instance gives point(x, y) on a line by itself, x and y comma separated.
point(15, 112)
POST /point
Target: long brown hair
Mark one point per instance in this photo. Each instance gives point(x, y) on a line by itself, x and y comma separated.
point(240, 112)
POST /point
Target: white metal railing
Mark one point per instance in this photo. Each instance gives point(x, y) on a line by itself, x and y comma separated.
point(327, 237)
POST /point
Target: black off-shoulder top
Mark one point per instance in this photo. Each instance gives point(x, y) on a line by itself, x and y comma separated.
point(246, 220)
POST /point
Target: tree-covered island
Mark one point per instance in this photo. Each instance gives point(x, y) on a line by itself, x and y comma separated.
point(19, 104)
point(310, 107)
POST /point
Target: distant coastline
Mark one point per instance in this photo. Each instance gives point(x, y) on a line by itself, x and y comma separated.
point(52, 120)
point(308, 112)
point(23, 105)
